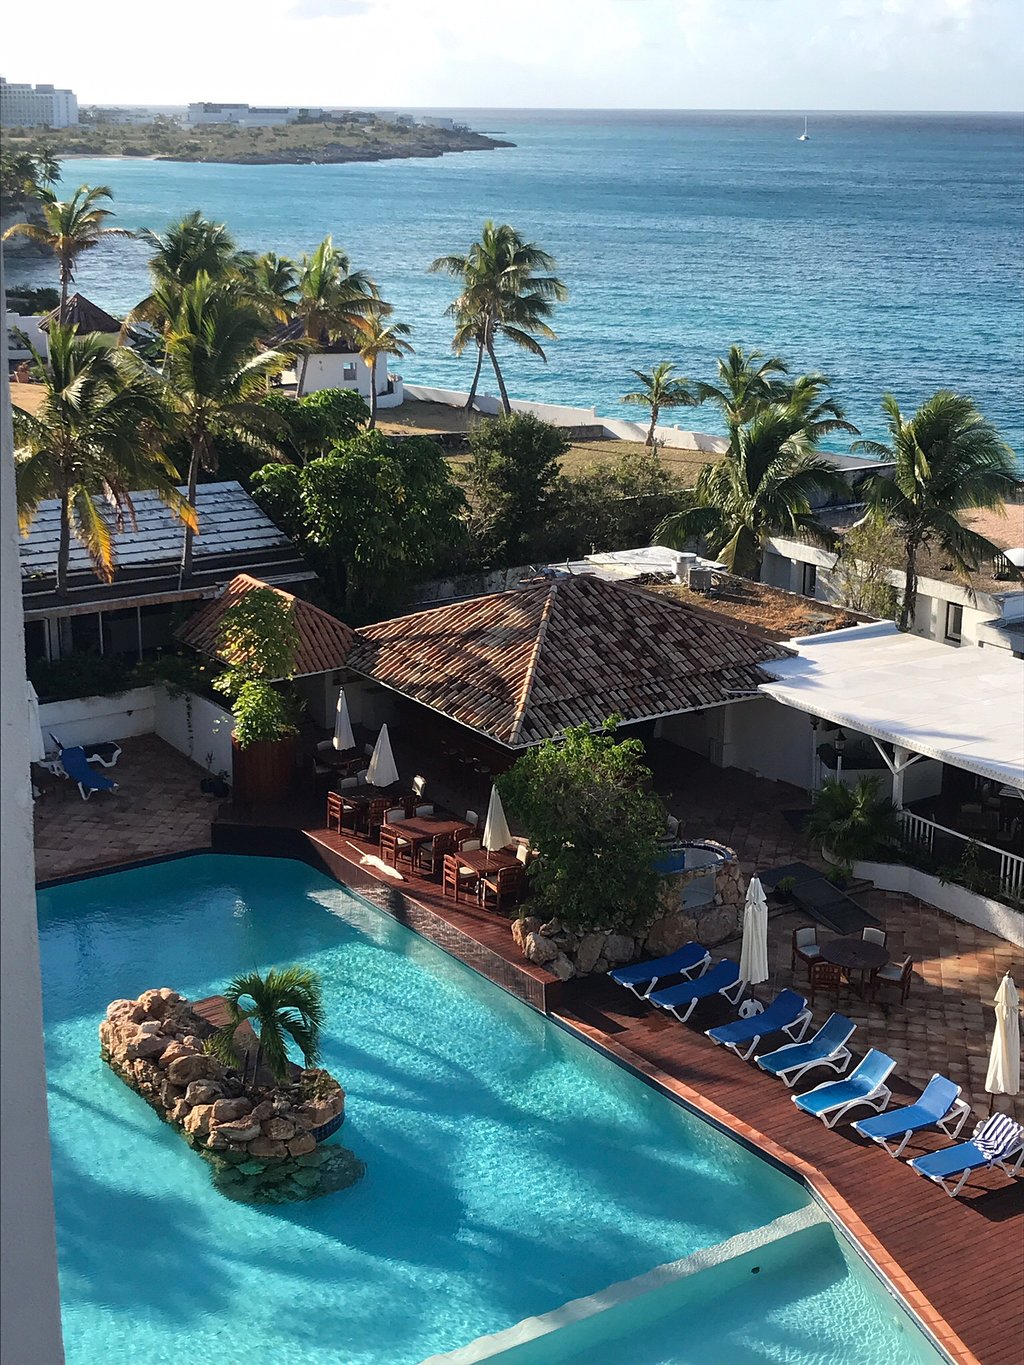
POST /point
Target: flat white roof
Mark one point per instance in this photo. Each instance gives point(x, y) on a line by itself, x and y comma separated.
point(962, 706)
point(626, 564)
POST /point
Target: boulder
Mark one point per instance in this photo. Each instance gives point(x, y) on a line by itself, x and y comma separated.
point(226, 1111)
point(619, 948)
point(552, 928)
point(179, 1111)
point(267, 1147)
point(670, 932)
point(279, 1128)
point(589, 951)
point(151, 1026)
point(196, 1066)
point(301, 1145)
point(537, 948)
point(602, 964)
point(146, 1045)
point(242, 1129)
point(153, 1003)
point(203, 1092)
point(264, 1110)
point(521, 928)
point(197, 1122)
point(561, 967)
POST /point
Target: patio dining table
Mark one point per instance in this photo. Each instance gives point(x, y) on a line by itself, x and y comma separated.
point(855, 955)
point(480, 860)
point(358, 799)
point(422, 828)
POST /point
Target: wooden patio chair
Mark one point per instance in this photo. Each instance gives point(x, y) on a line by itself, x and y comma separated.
point(805, 948)
point(375, 814)
point(898, 974)
point(504, 884)
point(431, 854)
point(335, 810)
point(827, 977)
point(458, 880)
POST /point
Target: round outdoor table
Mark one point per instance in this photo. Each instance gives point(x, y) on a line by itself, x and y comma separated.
point(855, 955)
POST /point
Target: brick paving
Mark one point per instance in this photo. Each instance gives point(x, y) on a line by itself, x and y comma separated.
point(158, 809)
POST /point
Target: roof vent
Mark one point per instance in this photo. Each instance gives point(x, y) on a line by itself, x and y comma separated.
point(684, 563)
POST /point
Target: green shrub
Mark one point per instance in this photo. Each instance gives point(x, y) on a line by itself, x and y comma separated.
point(80, 674)
point(853, 822)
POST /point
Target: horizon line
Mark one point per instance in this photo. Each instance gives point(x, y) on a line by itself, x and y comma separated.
point(569, 108)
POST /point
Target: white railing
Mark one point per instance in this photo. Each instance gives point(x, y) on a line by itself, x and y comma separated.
point(920, 833)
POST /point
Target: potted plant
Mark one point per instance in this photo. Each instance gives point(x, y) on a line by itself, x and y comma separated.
point(853, 823)
point(258, 640)
point(784, 889)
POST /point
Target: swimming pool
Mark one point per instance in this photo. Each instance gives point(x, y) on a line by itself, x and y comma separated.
point(510, 1168)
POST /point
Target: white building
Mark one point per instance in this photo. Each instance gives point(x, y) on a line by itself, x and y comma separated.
point(39, 106)
point(333, 369)
point(250, 115)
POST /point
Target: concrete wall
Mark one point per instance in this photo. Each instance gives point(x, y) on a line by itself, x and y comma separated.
point(993, 916)
point(94, 720)
point(29, 1304)
point(197, 728)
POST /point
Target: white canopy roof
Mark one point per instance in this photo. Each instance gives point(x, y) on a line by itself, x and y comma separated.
point(962, 706)
point(643, 560)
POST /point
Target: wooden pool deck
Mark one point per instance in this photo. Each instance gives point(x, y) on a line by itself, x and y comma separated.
point(959, 1264)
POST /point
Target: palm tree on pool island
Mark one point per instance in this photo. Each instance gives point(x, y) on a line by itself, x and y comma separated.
point(660, 389)
point(69, 228)
point(762, 486)
point(285, 1004)
point(948, 460)
point(502, 295)
point(376, 337)
point(98, 434)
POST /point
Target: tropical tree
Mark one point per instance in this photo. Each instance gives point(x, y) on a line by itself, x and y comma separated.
point(215, 372)
point(332, 298)
point(192, 246)
point(285, 1004)
point(746, 380)
point(661, 388)
point(762, 486)
point(376, 337)
point(69, 228)
point(99, 430)
point(271, 282)
point(502, 295)
point(514, 461)
point(947, 460)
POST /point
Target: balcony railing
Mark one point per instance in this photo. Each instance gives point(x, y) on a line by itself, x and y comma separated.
point(934, 839)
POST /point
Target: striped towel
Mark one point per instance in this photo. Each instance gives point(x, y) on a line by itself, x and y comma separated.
point(997, 1135)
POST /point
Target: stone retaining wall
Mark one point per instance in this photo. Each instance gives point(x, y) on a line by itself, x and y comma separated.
point(566, 954)
point(260, 1139)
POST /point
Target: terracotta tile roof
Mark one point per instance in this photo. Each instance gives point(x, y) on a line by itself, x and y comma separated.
point(522, 666)
point(324, 641)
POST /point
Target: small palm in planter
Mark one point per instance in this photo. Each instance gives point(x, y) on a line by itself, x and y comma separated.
point(284, 1004)
point(258, 640)
point(853, 823)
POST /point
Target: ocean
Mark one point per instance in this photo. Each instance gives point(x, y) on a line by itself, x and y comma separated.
point(887, 250)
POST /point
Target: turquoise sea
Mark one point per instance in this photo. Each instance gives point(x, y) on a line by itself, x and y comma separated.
point(886, 250)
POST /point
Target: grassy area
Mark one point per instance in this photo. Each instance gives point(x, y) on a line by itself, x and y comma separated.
point(683, 465)
point(337, 141)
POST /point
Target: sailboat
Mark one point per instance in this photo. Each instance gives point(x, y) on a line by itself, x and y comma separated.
point(805, 135)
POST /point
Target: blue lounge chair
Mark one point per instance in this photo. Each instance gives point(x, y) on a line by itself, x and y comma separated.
point(826, 1048)
point(787, 1013)
point(642, 977)
point(866, 1084)
point(997, 1140)
point(940, 1106)
point(74, 764)
point(106, 754)
point(722, 979)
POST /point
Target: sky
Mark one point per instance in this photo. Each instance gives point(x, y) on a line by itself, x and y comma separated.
point(627, 54)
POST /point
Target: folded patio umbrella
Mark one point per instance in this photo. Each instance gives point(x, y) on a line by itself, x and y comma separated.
point(36, 743)
point(754, 952)
point(1004, 1060)
point(343, 736)
point(382, 771)
point(496, 831)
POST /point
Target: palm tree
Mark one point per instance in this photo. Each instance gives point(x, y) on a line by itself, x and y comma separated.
point(662, 388)
point(271, 282)
point(215, 371)
point(762, 486)
point(745, 382)
point(47, 166)
point(376, 337)
point(99, 430)
point(284, 1004)
point(332, 297)
point(192, 246)
point(948, 459)
point(501, 296)
point(69, 228)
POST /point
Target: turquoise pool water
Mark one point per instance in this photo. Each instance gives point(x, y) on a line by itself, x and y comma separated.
point(509, 1167)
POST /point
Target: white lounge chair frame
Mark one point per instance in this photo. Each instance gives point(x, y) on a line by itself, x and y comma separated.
point(838, 1060)
point(732, 993)
point(800, 1023)
point(1003, 1162)
point(958, 1115)
point(875, 1099)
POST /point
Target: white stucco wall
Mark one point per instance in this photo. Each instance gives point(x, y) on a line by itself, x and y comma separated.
point(29, 1305)
point(94, 720)
point(327, 371)
point(197, 728)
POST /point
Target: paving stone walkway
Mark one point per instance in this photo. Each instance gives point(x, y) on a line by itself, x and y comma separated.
point(157, 809)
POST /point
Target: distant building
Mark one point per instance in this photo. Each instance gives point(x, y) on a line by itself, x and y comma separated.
point(437, 121)
point(251, 115)
point(39, 106)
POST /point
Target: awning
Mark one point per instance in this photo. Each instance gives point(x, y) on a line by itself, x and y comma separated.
point(961, 706)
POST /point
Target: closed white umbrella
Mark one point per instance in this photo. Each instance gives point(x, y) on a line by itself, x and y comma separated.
point(343, 736)
point(382, 771)
point(496, 831)
point(1004, 1060)
point(754, 953)
point(36, 743)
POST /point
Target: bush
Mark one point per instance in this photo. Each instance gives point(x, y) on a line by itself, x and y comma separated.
point(611, 505)
point(261, 713)
point(81, 674)
point(853, 822)
point(512, 471)
point(586, 806)
point(314, 425)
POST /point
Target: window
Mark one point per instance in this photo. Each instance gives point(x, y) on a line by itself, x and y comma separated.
point(954, 621)
point(348, 373)
point(808, 579)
